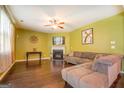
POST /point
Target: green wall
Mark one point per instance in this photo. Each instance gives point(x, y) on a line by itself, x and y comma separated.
point(23, 43)
point(104, 31)
point(44, 44)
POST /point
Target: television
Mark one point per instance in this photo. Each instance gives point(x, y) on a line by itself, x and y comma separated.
point(58, 40)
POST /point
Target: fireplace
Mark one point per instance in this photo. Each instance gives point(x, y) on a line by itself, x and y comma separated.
point(58, 54)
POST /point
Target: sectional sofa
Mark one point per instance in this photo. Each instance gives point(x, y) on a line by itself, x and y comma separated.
point(77, 57)
point(98, 73)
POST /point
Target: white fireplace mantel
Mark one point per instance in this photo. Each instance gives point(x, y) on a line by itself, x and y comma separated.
point(58, 48)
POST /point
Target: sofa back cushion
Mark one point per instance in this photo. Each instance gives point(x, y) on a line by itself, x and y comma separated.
point(88, 55)
point(77, 54)
point(98, 55)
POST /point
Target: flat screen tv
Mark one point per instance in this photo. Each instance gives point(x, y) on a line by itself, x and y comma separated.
point(58, 40)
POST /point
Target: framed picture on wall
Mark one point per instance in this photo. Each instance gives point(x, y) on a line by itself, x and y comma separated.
point(58, 40)
point(87, 36)
point(33, 39)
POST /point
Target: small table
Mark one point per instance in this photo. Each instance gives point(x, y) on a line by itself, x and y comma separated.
point(30, 53)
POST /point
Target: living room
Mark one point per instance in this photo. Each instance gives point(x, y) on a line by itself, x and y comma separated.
point(44, 29)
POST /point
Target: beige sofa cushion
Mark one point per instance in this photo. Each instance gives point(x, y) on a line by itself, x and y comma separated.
point(65, 70)
point(77, 54)
point(73, 76)
point(100, 55)
point(87, 65)
point(93, 80)
point(76, 60)
point(74, 71)
point(88, 55)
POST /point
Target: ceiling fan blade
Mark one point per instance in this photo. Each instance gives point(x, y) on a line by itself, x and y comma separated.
point(61, 23)
point(61, 27)
point(47, 25)
point(54, 21)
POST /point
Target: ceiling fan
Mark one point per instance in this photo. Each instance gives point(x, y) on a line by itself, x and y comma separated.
point(55, 23)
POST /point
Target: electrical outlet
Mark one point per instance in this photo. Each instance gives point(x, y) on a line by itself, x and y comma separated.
point(112, 47)
point(112, 42)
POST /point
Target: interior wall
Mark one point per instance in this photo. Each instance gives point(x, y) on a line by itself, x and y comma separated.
point(44, 44)
point(23, 43)
point(104, 31)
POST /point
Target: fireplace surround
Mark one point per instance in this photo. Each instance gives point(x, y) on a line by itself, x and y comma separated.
point(58, 54)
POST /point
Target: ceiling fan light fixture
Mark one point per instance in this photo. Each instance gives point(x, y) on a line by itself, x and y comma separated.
point(55, 26)
point(55, 23)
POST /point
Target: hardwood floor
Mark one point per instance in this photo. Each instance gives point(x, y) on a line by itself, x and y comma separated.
point(47, 75)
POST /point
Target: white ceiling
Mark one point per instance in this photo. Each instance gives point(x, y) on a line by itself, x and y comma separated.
point(35, 17)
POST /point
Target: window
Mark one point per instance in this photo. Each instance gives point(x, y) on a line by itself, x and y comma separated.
point(6, 32)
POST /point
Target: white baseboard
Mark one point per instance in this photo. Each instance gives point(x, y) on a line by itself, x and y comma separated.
point(5, 73)
point(21, 60)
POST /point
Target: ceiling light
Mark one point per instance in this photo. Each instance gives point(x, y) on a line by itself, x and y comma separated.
point(54, 26)
point(55, 23)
